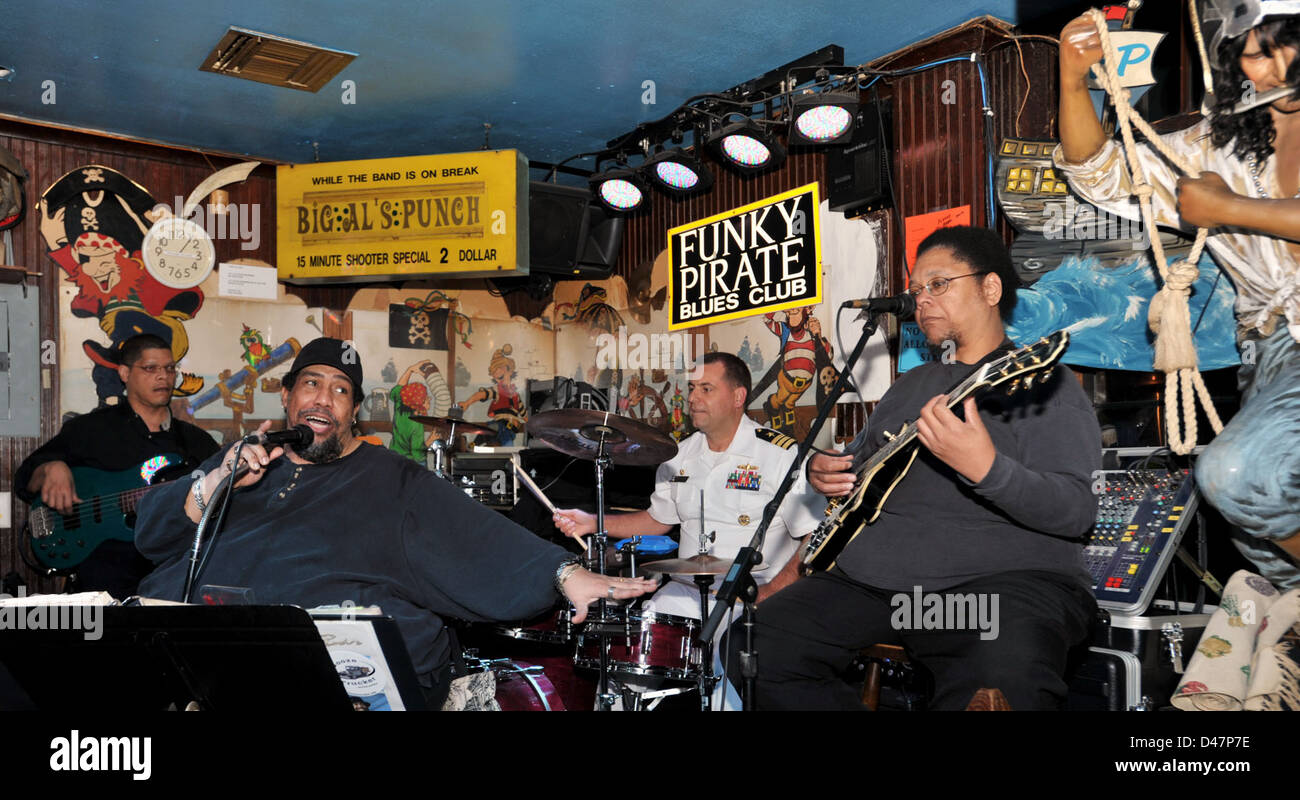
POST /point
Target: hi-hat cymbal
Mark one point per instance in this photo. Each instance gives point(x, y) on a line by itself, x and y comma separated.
point(578, 432)
point(461, 425)
point(695, 565)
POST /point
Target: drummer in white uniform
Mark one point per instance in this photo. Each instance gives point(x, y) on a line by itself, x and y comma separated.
point(736, 467)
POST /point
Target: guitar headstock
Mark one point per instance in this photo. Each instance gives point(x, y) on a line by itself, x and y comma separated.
point(1028, 365)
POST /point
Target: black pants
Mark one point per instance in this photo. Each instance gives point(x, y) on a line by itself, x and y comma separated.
point(809, 633)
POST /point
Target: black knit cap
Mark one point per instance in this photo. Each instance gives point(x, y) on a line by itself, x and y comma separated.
point(328, 352)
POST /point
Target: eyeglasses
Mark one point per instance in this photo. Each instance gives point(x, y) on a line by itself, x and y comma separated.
point(154, 369)
point(938, 286)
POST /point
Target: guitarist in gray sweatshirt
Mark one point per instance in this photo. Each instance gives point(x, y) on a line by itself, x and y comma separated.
point(974, 562)
point(113, 449)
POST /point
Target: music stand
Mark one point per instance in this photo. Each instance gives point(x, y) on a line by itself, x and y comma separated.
point(225, 658)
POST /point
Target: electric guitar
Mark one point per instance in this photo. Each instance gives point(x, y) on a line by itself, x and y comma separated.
point(879, 474)
point(62, 541)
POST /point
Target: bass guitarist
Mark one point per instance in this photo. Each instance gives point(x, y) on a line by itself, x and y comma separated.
point(975, 562)
point(114, 438)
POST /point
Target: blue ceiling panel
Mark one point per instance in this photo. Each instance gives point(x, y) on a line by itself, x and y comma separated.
point(553, 79)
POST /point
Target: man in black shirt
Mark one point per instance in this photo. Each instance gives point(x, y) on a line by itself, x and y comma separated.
point(115, 438)
point(339, 521)
point(975, 562)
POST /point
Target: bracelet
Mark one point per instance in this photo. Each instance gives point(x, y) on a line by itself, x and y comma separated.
point(565, 571)
point(197, 490)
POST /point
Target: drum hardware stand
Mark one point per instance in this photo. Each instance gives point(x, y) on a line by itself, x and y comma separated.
point(739, 583)
point(631, 553)
point(605, 699)
point(707, 680)
point(440, 461)
point(636, 701)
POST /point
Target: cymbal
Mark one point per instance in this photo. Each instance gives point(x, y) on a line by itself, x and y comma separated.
point(462, 426)
point(578, 432)
point(695, 565)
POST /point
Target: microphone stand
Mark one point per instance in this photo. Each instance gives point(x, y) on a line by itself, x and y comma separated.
point(216, 502)
point(739, 581)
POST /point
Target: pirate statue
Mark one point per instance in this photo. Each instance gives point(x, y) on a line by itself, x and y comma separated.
point(94, 220)
point(1246, 155)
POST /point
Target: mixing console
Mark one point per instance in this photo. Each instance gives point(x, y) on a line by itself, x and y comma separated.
point(1141, 517)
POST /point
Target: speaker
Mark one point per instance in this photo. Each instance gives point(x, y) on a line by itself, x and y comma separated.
point(568, 235)
point(856, 173)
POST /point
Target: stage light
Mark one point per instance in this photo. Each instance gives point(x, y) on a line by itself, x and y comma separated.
point(621, 189)
point(678, 172)
point(744, 146)
point(825, 118)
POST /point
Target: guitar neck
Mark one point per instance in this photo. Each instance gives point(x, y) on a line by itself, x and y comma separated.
point(130, 499)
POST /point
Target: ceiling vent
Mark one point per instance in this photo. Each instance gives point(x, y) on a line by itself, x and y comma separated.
point(264, 58)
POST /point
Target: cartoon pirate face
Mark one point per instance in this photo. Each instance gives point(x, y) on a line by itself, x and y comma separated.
point(100, 257)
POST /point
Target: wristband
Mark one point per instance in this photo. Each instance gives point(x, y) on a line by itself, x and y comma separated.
point(565, 571)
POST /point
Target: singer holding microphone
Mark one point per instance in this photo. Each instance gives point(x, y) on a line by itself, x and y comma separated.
point(989, 518)
point(334, 520)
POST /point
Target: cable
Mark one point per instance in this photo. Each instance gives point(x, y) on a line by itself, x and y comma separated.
point(889, 171)
point(848, 368)
point(559, 474)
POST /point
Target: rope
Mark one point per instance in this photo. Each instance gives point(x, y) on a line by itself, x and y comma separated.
point(1168, 315)
point(1207, 79)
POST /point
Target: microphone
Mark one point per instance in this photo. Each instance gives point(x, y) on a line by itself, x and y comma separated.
point(297, 435)
point(904, 305)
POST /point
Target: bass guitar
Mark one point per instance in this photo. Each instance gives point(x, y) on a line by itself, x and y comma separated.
point(62, 541)
point(879, 474)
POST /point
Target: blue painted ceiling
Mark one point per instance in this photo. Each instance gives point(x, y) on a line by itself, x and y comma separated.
point(553, 79)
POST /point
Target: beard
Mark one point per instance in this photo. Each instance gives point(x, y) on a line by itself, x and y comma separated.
point(944, 342)
point(321, 451)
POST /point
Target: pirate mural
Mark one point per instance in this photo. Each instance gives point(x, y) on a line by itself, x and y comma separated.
point(421, 391)
point(591, 311)
point(802, 355)
point(94, 220)
point(678, 419)
point(634, 403)
point(505, 406)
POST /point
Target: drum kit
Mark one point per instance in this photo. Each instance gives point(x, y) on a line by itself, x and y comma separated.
point(440, 449)
point(638, 658)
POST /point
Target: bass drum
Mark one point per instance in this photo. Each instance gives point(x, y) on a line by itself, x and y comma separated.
point(555, 686)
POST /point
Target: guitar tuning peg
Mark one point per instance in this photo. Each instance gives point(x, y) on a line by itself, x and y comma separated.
point(1029, 381)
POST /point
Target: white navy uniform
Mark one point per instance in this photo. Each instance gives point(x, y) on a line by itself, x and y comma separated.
point(736, 485)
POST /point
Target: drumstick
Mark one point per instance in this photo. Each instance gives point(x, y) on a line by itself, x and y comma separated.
point(532, 487)
point(537, 492)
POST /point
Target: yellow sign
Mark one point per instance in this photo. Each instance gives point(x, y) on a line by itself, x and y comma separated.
point(452, 215)
point(756, 259)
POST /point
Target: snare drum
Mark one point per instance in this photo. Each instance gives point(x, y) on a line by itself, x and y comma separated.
point(553, 627)
point(643, 644)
